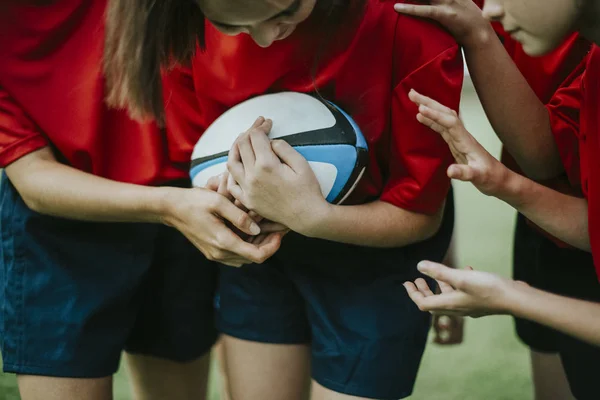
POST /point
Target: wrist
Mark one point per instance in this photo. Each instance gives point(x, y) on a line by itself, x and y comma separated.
point(514, 189)
point(162, 205)
point(314, 220)
point(479, 38)
point(513, 298)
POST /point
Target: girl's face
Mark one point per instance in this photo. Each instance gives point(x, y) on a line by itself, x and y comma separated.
point(264, 20)
point(540, 25)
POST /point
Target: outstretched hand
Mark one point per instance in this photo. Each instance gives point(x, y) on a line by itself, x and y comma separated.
point(463, 292)
point(473, 163)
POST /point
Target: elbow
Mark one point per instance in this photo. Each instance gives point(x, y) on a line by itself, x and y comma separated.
point(33, 203)
point(431, 226)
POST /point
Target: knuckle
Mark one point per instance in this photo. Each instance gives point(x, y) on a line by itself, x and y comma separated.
point(261, 259)
point(220, 242)
point(253, 179)
point(454, 121)
point(265, 166)
point(215, 201)
point(219, 255)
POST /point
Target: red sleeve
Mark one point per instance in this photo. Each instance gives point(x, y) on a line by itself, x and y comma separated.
point(184, 121)
point(419, 156)
point(19, 135)
point(564, 108)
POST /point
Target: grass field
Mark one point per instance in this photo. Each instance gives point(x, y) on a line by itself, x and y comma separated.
point(491, 363)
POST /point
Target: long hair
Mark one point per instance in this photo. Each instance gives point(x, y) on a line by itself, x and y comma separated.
point(143, 37)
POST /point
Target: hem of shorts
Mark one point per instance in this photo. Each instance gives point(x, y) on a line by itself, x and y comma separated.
point(351, 390)
point(258, 339)
point(202, 351)
point(58, 372)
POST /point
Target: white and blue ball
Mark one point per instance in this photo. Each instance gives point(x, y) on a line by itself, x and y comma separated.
point(325, 135)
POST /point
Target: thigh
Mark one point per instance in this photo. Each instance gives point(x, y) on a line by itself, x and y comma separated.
point(155, 378)
point(266, 371)
point(68, 290)
point(176, 319)
point(34, 387)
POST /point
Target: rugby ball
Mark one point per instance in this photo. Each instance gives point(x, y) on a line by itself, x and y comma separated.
point(324, 134)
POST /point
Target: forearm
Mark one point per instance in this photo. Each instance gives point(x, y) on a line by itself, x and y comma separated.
point(577, 318)
point(376, 224)
point(563, 216)
point(49, 187)
point(517, 115)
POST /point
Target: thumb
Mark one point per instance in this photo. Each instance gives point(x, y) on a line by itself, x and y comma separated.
point(461, 172)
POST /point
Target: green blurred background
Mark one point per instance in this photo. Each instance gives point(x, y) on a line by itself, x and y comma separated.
point(491, 363)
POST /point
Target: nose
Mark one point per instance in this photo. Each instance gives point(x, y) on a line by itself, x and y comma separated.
point(265, 34)
point(493, 10)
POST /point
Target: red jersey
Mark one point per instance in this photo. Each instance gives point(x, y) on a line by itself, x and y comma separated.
point(546, 75)
point(589, 145)
point(368, 73)
point(52, 91)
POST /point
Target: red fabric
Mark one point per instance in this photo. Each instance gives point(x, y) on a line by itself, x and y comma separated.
point(564, 109)
point(555, 71)
point(51, 92)
point(590, 149)
point(367, 72)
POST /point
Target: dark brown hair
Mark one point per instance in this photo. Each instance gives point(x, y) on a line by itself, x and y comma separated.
point(145, 36)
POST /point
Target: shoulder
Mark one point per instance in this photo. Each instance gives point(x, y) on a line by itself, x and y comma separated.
point(416, 41)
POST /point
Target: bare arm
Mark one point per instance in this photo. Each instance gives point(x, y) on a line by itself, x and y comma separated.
point(560, 215)
point(275, 181)
point(563, 216)
point(376, 224)
point(52, 188)
point(477, 293)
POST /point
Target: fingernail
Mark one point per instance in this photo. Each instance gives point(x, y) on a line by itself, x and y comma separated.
point(254, 228)
point(422, 265)
point(398, 6)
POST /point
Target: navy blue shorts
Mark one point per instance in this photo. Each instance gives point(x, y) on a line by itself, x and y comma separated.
point(568, 272)
point(366, 336)
point(74, 294)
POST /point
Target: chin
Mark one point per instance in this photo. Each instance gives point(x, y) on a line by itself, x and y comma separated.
point(538, 48)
